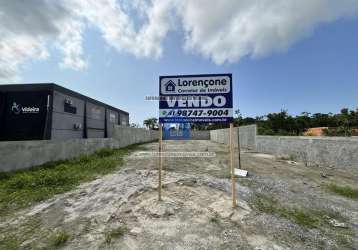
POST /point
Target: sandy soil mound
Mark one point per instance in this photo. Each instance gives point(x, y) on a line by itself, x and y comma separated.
point(189, 217)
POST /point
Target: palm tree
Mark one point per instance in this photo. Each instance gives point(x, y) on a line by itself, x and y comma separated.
point(150, 123)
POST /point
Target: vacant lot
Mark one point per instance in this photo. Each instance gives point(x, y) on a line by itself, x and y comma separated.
point(282, 205)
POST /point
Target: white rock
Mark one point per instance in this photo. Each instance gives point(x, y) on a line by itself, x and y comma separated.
point(336, 223)
point(136, 230)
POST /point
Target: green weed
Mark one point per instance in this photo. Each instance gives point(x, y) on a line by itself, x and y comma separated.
point(115, 233)
point(345, 191)
point(23, 188)
point(214, 220)
point(59, 239)
point(9, 243)
point(304, 217)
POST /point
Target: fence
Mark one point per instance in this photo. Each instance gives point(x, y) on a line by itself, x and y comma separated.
point(15, 155)
point(247, 136)
point(341, 152)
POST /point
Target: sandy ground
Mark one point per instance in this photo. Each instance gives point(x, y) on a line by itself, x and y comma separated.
point(196, 209)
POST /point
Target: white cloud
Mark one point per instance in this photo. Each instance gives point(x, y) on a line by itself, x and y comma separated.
point(70, 43)
point(28, 27)
point(227, 30)
point(152, 33)
point(15, 50)
point(118, 27)
point(21, 37)
point(224, 31)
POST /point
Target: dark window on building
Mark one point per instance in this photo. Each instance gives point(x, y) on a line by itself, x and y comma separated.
point(69, 108)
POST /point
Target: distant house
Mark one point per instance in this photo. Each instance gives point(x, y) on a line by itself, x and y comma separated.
point(315, 131)
point(170, 86)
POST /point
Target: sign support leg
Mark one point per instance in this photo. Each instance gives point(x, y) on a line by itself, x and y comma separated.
point(238, 147)
point(233, 179)
point(160, 162)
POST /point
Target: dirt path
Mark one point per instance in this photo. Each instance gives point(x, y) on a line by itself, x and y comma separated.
point(282, 205)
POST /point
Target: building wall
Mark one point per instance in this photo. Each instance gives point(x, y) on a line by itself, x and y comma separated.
point(23, 115)
point(65, 119)
point(111, 121)
point(123, 119)
point(63, 123)
point(95, 120)
point(17, 155)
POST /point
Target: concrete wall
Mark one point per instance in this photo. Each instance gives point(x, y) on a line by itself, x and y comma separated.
point(15, 155)
point(127, 135)
point(340, 152)
point(199, 135)
point(247, 136)
point(222, 136)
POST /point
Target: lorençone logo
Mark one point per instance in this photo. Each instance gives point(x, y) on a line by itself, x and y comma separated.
point(17, 109)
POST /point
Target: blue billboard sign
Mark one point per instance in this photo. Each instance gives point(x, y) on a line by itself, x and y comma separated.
point(196, 99)
point(180, 131)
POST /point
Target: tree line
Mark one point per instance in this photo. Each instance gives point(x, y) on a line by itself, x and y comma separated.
point(344, 123)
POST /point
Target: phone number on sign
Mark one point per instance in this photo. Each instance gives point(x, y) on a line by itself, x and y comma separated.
point(196, 113)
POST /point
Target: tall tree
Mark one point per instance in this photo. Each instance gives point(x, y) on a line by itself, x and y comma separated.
point(151, 123)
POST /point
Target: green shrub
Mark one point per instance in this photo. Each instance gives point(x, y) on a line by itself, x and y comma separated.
point(339, 131)
point(345, 191)
point(59, 239)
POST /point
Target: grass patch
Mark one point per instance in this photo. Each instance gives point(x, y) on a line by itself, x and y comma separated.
point(9, 243)
point(214, 220)
point(59, 239)
point(303, 217)
point(12, 236)
point(114, 233)
point(23, 188)
point(345, 191)
point(345, 242)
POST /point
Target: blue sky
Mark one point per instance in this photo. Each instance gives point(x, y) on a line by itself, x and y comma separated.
point(316, 73)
